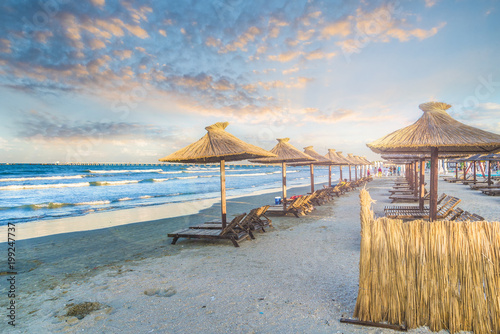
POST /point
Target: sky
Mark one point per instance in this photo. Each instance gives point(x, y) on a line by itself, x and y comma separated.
point(133, 81)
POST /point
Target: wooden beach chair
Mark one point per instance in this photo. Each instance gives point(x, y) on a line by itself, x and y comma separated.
point(443, 212)
point(454, 214)
point(293, 207)
point(393, 210)
point(491, 192)
point(467, 216)
point(233, 232)
point(254, 220)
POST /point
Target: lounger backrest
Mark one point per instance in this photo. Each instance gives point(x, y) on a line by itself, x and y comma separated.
point(260, 211)
point(448, 206)
point(230, 227)
point(440, 198)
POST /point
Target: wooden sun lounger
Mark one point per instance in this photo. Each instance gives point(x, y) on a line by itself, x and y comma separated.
point(406, 191)
point(491, 192)
point(294, 207)
point(404, 198)
point(393, 210)
point(454, 214)
point(467, 216)
point(254, 220)
point(443, 212)
point(480, 185)
point(231, 232)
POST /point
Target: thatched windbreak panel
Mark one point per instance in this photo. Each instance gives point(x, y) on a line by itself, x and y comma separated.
point(215, 146)
point(353, 159)
point(437, 129)
point(285, 152)
point(445, 275)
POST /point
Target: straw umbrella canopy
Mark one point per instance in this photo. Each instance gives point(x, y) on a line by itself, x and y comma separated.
point(285, 152)
point(217, 145)
point(437, 133)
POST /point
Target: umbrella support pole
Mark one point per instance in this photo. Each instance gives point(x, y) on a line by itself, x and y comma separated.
point(489, 173)
point(434, 184)
point(312, 177)
point(422, 187)
point(475, 178)
point(283, 173)
point(223, 192)
point(340, 168)
point(415, 191)
point(329, 175)
point(350, 179)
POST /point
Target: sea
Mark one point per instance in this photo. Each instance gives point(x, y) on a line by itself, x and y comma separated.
point(37, 192)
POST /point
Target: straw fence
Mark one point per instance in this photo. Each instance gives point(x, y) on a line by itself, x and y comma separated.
point(444, 275)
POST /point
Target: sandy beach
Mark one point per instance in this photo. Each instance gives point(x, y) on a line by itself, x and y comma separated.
point(299, 277)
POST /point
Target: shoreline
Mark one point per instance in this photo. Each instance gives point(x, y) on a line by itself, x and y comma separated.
point(107, 219)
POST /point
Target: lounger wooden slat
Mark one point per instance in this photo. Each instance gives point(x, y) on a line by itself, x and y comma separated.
point(231, 232)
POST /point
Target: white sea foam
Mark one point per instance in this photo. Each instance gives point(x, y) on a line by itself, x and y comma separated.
point(93, 203)
point(112, 171)
point(45, 186)
point(252, 174)
point(125, 199)
point(176, 172)
point(113, 183)
point(186, 177)
point(15, 179)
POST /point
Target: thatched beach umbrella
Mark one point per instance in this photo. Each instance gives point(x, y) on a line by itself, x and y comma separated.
point(320, 160)
point(437, 133)
point(490, 157)
point(217, 145)
point(355, 163)
point(347, 163)
point(285, 152)
point(337, 161)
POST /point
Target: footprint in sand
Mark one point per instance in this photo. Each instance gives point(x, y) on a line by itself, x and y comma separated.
point(169, 292)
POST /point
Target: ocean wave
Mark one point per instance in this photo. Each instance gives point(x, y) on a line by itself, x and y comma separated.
point(186, 177)
point(113, 183)
point(93, 203)
point(68, 177)
point(125, 199)
point(113, 171)
point(145, 196)
point(45, 186)
point(175, 172)
point(252, 174)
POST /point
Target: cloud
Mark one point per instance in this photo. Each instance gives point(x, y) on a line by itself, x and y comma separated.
point(290, 70)
point(430, 3)
point(5, 45)
point(319, 54)
point(42, 125)
point(285, 57)
point(98, 3)
point(339, 28)
point(123, 54)
point(242, 40)
point(162, 32)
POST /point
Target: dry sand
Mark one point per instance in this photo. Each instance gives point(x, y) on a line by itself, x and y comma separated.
point(299, 277)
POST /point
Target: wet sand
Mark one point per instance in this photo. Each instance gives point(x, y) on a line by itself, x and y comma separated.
point(299, 277)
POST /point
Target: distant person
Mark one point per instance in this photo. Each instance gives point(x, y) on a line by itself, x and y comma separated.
point(379, 172)
point(368, 172)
